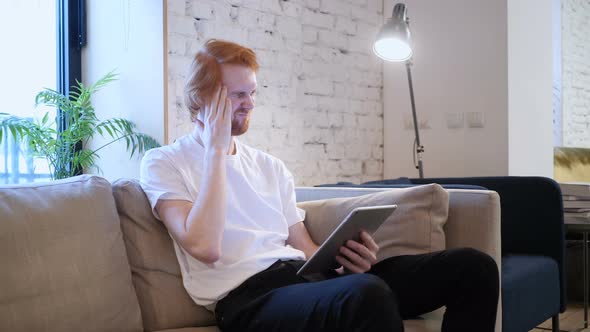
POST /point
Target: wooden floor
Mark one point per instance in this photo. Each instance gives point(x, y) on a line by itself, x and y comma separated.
point(571, 320)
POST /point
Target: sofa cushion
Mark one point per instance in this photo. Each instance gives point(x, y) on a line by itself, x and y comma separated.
point(415, 227)
point(528, 279)
point(64, 266)
point(164, 302)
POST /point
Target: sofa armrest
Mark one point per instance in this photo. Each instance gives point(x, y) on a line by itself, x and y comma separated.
point(532, 216)
point(474, 221)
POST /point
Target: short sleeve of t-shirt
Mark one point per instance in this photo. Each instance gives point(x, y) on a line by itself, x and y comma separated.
point(292, 213)
point(161, 179)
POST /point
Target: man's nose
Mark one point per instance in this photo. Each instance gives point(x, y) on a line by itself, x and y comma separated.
point(248, 102)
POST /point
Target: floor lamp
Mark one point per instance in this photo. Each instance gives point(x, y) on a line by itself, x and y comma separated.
point(393, 43)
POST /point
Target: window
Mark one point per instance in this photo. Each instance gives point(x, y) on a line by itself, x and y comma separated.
point(42, 50)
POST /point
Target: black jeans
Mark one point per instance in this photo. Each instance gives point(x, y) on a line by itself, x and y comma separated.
point(276, 299)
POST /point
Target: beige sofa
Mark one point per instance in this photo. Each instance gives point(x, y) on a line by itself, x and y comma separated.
point(83, 255)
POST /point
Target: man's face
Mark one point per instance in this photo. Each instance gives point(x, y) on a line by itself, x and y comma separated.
point(241, 90)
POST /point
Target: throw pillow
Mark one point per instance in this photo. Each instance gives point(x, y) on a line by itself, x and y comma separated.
point(416, 226)
point(64, 266)
point(163, 300)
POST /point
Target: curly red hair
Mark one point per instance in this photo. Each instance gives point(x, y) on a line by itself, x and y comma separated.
point(204, 75)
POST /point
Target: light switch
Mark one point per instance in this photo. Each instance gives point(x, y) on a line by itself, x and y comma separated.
point(475, 119)
point(454, 120)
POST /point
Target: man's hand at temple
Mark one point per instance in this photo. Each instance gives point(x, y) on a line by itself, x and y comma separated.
point(215, 123)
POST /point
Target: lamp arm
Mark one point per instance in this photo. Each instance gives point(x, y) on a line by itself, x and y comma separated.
point(419, 147)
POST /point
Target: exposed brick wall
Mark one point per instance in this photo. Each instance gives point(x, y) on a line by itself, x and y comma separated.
point(576, 72)
point(319, 104)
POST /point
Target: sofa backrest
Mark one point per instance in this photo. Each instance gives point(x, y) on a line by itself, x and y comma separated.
point(63, 261)
point(156, 274)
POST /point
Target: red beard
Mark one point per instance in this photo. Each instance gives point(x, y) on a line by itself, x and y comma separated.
point(239, 123)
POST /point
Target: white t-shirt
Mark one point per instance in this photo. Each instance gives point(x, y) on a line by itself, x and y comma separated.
point(260, 209)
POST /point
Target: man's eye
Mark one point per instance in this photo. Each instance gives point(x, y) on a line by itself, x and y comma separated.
point(242, 95)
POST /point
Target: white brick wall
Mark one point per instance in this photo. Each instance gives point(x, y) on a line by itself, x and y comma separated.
point(576, 72)
point(319, 106)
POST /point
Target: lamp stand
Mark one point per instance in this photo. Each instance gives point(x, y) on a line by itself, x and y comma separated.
point(419, 147)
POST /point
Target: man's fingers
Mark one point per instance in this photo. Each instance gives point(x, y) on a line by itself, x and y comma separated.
point(355, 258)
point(369, 242)
point(206, 112)
point(200, 124)
point(227, 111)
point(362, 251)
point(222, 103)
point(348, 265)
point(215, 102)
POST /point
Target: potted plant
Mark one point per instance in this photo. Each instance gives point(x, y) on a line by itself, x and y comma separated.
point(67, 150)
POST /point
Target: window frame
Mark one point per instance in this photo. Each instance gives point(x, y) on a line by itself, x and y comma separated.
point(71, 39)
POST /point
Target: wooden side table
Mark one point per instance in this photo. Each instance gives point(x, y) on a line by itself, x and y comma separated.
point(581, 225)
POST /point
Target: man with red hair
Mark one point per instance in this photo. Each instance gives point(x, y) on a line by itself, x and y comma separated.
point(239, 237)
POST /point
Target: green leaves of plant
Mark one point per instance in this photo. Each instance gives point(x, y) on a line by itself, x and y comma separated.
point(121, 129)
point(66, 150)
point(18, 127)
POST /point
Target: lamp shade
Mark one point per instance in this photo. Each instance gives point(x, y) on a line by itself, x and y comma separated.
point(394, 42)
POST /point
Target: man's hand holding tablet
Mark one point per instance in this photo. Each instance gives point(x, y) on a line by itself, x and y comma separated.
point(357, 257)
point(338, 249)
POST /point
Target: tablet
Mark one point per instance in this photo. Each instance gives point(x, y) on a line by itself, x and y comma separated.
point(367, 218)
